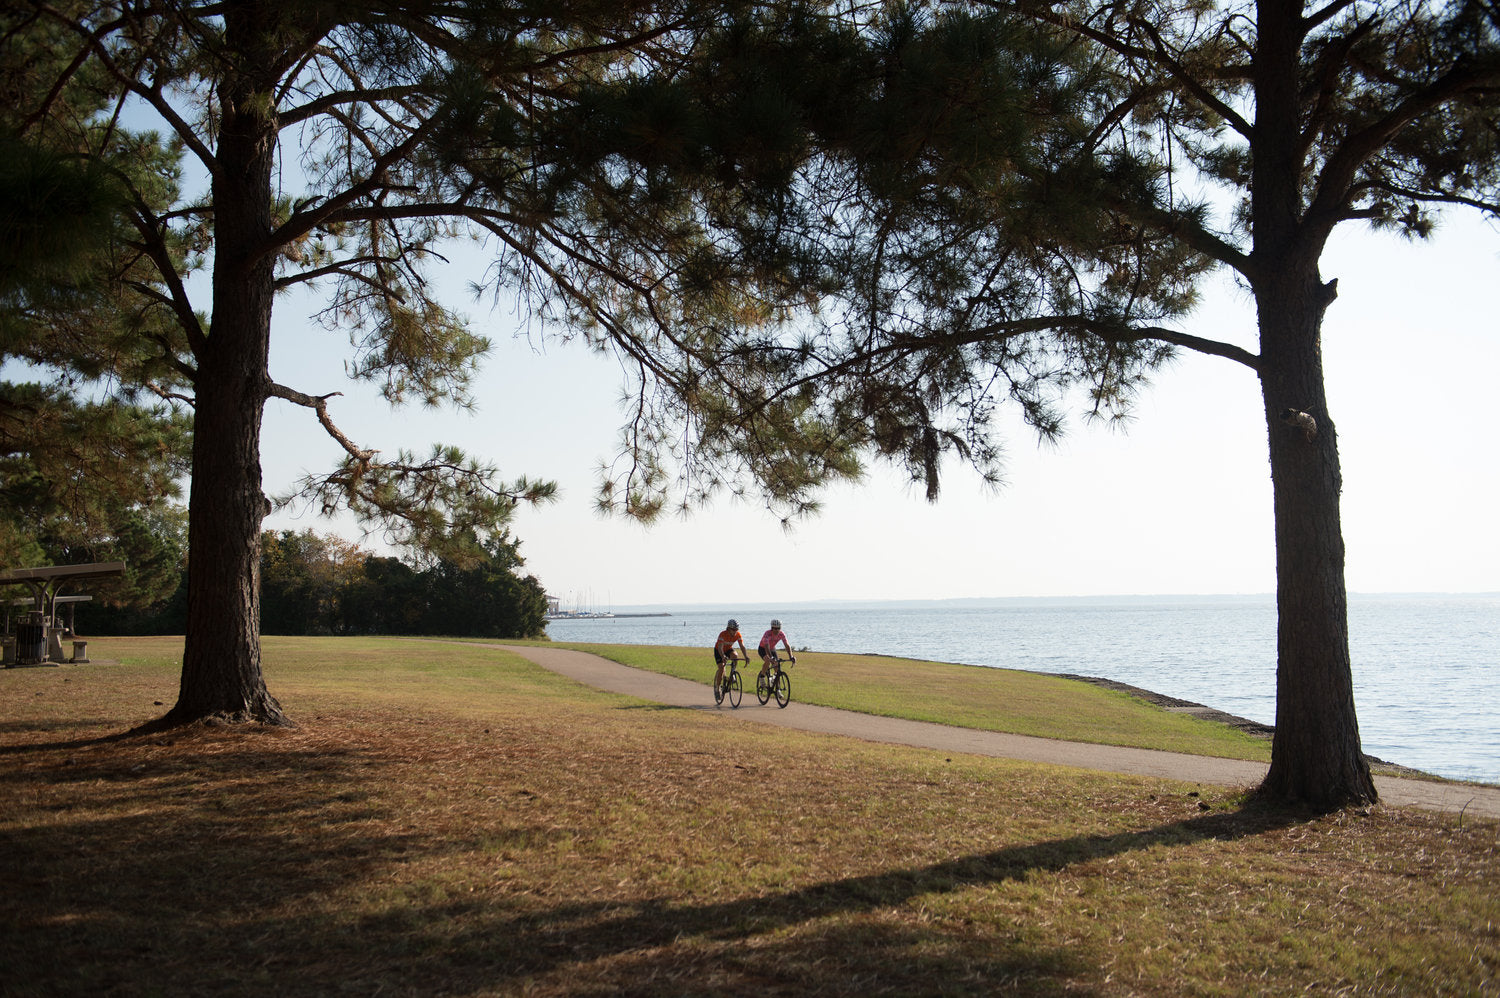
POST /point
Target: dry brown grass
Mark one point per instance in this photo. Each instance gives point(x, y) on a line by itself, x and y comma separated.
point(474, 826)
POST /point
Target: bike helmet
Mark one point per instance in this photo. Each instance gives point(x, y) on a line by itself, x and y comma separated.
point(734, 625)
point(776, 625)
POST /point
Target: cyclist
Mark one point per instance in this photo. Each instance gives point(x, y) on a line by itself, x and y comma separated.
point(767, 646)
point(724, 649)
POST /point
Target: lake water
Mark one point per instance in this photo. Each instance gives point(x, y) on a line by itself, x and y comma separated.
point(1425, 667)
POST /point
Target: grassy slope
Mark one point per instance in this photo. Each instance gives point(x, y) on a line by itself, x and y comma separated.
point(464, 823)
point(1009, 700)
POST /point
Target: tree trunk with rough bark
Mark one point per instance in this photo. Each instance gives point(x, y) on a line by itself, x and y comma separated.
point(221, 675)
point(1316, 756)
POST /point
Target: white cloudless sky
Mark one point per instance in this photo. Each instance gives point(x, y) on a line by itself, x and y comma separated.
point(1179, 503)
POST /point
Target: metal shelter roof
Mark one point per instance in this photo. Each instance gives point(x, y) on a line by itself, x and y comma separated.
point(62, 573)
point(47, 582)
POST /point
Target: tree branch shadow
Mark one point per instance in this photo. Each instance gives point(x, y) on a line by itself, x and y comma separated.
point(190, 885)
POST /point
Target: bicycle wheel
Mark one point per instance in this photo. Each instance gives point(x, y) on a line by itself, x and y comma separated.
point(762, 689)
point(783, 689)
point(719, 686)
point(736, 689)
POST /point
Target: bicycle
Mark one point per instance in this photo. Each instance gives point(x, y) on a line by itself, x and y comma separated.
point(731, 685)
point(777, 683)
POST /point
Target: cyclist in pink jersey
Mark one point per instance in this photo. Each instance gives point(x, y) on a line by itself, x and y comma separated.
point(768, 642)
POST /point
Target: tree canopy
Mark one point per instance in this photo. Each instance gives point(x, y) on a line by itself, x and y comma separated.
point(1020, 206)
point(342, 144)
point(83, 471)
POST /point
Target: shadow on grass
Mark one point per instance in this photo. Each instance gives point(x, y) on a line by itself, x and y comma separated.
point(244, 870)
point(59, 727)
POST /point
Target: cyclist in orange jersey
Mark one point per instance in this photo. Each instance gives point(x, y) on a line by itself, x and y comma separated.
point(724, 649)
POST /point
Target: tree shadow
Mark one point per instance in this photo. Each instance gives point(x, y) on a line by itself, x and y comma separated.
point(739, 920)
point(153, 730)
point(38, 748)
point(221, 870)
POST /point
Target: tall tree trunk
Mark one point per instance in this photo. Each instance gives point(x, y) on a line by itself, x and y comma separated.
point(1316, 757)
point(221, 669)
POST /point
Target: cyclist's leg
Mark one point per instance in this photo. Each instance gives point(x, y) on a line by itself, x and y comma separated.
point(719, 671)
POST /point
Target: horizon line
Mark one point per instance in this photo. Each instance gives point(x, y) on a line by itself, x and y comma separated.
point(935, 600)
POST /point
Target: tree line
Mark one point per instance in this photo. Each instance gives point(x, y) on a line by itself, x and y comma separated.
point(312, 584)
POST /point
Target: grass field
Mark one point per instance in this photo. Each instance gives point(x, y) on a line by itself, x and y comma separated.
point(454, 821)
point(1008, 700)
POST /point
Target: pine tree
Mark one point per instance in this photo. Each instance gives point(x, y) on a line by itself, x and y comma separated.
point(344, 142)
point(1019, 207)
point(80, 471)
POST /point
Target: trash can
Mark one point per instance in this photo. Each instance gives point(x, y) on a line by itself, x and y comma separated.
point(31, 643)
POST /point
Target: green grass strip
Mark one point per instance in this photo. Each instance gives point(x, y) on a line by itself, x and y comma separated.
point(1005, 700)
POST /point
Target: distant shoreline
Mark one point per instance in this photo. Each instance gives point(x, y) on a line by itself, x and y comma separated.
point(985, 602)
point(1198, 710)
point(601, 616)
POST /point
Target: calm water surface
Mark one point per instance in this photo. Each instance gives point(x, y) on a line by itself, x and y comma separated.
point(1424, 666)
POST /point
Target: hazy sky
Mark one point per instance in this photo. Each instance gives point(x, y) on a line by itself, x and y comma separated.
point(1180, 503)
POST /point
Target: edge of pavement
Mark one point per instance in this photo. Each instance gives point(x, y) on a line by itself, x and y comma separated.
point(601, 673)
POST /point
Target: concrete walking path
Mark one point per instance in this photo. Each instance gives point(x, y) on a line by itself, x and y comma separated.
point(601, 673)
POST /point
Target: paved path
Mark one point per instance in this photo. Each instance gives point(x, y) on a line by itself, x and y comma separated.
point(603, 674)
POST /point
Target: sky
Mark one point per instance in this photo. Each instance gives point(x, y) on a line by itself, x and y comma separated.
point(1179, 503)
